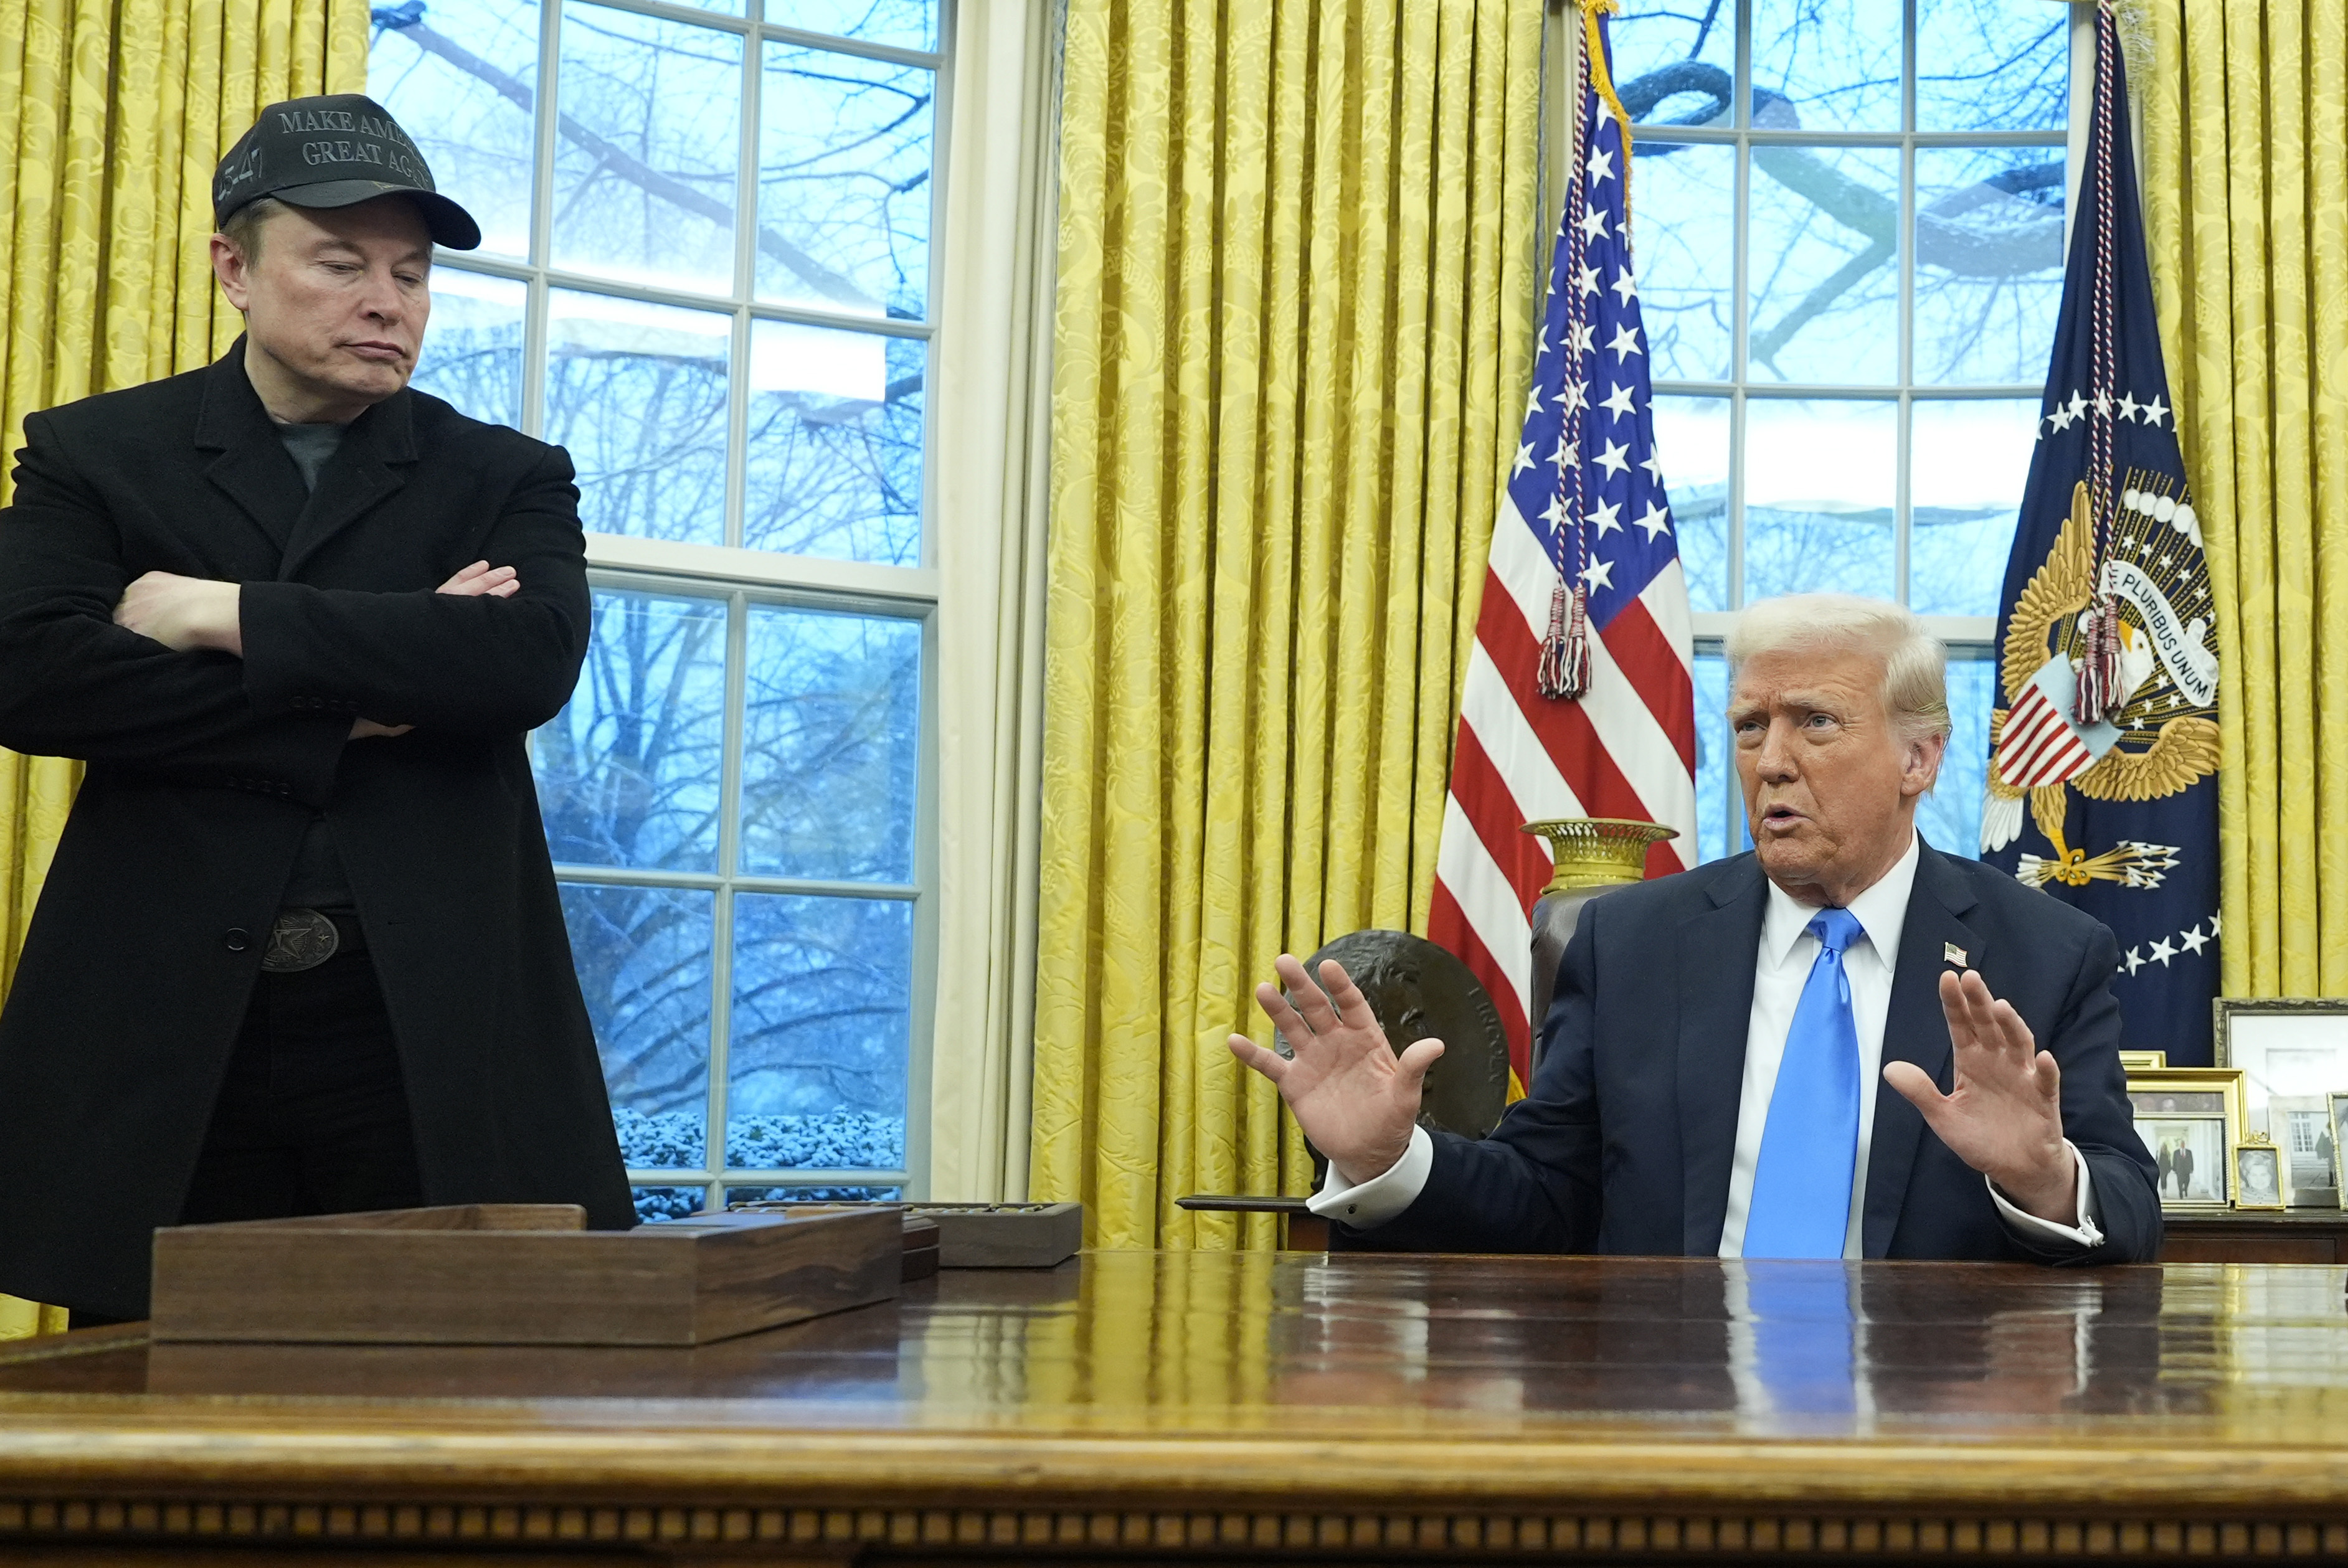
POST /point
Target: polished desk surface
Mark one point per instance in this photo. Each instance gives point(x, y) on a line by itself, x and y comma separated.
point(1557, 1402)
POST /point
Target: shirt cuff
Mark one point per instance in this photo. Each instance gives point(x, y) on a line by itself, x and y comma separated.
point(1381, 1198)
point(2085, 1234)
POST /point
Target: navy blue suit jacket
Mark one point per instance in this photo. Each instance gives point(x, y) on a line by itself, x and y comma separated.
point(1625, 1142)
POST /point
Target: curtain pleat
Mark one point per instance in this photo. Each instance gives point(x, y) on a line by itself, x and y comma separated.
point(2246, 179)
point(112, 114)
point(1298, 273)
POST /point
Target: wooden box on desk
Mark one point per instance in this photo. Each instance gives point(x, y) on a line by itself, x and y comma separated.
point(516, 1273)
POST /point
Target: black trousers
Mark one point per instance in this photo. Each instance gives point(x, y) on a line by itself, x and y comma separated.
point(312, 1117)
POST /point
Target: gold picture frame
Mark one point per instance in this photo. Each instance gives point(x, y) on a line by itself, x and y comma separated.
point(2340, 1146)
point(2143, 1060)
point(2199, 1110)
point(2261, 1180)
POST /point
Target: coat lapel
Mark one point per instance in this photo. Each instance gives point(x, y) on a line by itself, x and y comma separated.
point(372, 464)
point(253, 468)
point(1716, 979)
point(1915, 1030)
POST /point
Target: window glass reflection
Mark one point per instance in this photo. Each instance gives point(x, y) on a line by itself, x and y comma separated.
point(1989, 262)
point(1684, 231)
point(637, 392)
point(1692, 446)
point(1824, 258)
point(472, 353)
point(1825, 64)
point(642, 955)
point(830, 755)
point(628, 773)
point(1820, 477)
point(645, 162)
point(907, 23)
point(822, 1005)
point(1991, 64)
point(461, 77)
point(834, 464)
point(844, 191)
point(1967, 462)
point(1949, 817)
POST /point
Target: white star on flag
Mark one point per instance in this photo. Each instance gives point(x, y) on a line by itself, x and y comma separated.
point(1626, 342)
point(1608, 518)
point(1598, 574)
point(1614, 459)
point(1601, 166)
point(1624, 286)
point(1620, 402)
point(1657, 519)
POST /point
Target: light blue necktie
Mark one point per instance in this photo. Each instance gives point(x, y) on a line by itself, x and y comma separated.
point(1801, 1188)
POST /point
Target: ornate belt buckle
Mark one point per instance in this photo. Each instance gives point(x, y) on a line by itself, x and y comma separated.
point(301, 940)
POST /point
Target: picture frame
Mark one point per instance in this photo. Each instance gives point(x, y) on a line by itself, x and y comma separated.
point(2143, 1060)
point(2283, 1045)
point(2257, 1170)
point(2196, 1111)
point(2302, 1129)
point(2190, 1157)
point(2339, 1145)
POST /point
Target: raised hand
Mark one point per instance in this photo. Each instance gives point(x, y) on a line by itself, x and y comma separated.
point(482, 581)
point(1355, 1100)
point(2004, 1117)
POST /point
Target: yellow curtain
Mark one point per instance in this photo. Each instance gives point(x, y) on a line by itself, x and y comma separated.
point(1298, 273)
point(2245, 111)
point(112, 114)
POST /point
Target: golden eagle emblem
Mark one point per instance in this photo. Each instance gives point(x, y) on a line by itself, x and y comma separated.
point(2165, 737)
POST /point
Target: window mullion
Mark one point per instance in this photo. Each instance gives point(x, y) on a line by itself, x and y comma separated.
point(729, 852)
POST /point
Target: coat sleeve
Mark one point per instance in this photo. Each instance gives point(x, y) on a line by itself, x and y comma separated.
point(473, 666)
point(2099, 1120)
point(73, 684)
point(1533, 1186)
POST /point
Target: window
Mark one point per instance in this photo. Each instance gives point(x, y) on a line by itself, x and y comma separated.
point(1850, 225)
point(706, 272)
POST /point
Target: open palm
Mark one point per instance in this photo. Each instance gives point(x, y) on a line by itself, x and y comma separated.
point(2003, 1113)
point(1352, 1096)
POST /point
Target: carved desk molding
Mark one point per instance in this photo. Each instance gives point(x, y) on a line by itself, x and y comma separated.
point(1137, 1407)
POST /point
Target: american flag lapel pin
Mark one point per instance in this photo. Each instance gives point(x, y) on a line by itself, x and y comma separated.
point(1953, 954)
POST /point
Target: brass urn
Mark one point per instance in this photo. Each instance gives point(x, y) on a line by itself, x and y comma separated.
point(1594, 856)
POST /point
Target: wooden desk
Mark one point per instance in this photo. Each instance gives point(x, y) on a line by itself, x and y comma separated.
point(1142, 1407)
point(2293, 1235)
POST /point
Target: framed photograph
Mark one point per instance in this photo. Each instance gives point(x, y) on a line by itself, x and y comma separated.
point(2190, 1117)
point(2258, 1176)
point(2302, 1129)
point(2190, 1154)
point(2290, 1045)
point(2143, 1060)
point(2340, 1146)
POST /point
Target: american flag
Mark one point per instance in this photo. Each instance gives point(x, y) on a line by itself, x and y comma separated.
point(1586, 509)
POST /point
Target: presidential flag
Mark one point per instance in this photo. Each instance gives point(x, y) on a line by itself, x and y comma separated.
point(2104, 754)
point(1578, 700)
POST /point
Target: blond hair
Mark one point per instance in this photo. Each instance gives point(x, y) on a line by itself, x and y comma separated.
point(1915, 664)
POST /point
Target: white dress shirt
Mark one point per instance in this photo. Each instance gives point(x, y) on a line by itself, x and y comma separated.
point(1781, 968)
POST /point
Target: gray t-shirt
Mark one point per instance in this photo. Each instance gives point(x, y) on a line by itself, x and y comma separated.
point(318, 881)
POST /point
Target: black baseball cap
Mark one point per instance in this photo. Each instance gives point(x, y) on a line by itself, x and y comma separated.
point(335, 150)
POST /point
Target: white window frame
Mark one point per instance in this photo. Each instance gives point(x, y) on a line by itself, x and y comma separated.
point(1968, 637)
point(976, 592)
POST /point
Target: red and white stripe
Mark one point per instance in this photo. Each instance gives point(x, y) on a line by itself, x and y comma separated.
point(1626, 748)
point(2039, 745)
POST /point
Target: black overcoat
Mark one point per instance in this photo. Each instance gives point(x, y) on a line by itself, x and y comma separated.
point(205, 769)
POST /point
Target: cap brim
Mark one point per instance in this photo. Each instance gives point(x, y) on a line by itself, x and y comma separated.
point(450, 224)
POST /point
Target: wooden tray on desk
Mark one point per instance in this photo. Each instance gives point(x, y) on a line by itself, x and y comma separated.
point(516, 1273)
